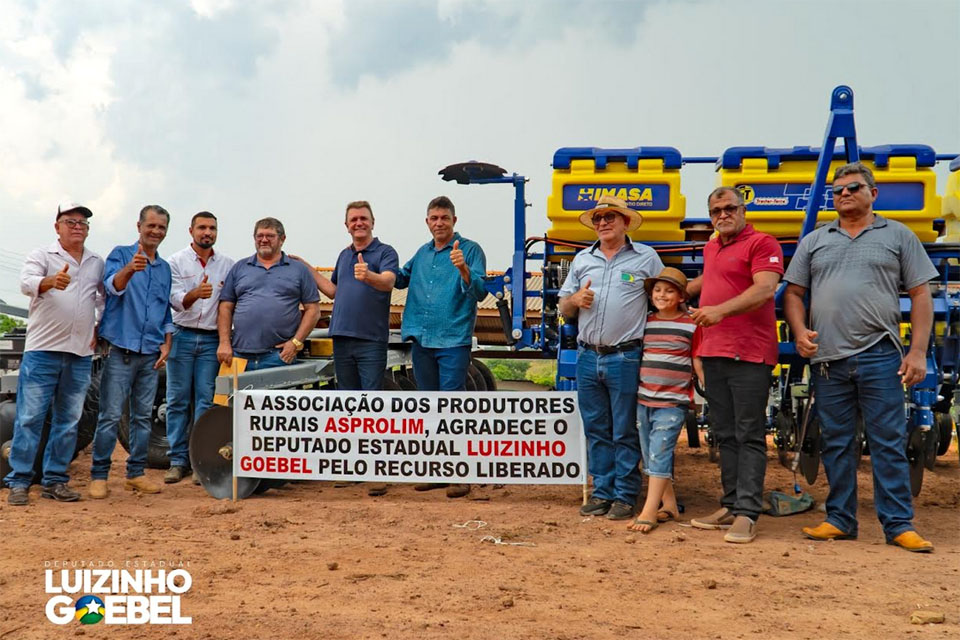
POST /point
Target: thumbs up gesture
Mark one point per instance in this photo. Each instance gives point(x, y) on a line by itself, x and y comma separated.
point(360, 270)
point(62, 278)
point(584, 297)
point(205, 290)
point(456, 256)
point(139, 261)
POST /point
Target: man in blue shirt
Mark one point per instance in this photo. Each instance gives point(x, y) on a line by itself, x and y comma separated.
point(261, 299)
point(445, 281)
point(138, 327)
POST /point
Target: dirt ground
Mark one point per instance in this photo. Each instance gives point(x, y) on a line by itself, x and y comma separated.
point(314, 561)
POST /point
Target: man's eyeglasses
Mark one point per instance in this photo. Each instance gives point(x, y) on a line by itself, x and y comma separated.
point(728, 210)
point(853, 187)
point(608, 217)
point(75, 224)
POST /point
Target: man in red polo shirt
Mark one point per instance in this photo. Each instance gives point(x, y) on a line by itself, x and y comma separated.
point(741, 270)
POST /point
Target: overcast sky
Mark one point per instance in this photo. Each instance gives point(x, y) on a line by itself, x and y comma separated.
point(293, 108)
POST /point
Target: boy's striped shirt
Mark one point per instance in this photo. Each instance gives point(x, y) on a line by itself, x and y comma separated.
point(666, 372)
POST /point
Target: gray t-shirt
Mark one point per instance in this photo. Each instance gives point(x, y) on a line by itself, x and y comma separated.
point(619, 310)
point(855, 283)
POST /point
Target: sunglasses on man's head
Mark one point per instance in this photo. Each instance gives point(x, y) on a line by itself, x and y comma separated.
point(853, 187)
point(608, 217)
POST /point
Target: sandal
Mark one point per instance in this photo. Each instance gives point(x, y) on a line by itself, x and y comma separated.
point(665, 516)
point(643, 523)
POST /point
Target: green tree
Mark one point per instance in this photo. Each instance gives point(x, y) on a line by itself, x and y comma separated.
point(7, 323)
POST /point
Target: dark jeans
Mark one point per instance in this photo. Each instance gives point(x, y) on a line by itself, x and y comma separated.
point(191, 373)
point(440, 369)
point(359, 364)
point(607, 395)
point(867, 380)
point(737, 392)
point(257, 361)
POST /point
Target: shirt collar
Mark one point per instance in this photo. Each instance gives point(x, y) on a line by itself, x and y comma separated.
point(878, 223)
point(370, 247)
point(627, 246)
point(213, 254)
point(449, 245)
point(254, 261)
point(56, 247)
point(745, 233)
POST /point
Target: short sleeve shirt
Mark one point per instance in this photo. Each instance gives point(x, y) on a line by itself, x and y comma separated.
point(359, 310)
point(619, 310)
point(728, 271)
point(855, 283)
point(267, 310)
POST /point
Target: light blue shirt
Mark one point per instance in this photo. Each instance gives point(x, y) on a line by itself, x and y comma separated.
point(619, 310)
point(138, 317)
point(441, 308)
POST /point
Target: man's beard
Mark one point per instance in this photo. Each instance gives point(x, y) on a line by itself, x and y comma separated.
point(203, 245)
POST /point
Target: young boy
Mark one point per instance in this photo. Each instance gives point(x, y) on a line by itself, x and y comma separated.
point(666, 389)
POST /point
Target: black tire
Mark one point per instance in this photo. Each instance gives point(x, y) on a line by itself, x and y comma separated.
point(470, 384)
point(87, 427)
point(945, 424)
point(406, 382)
point(478, 380)
point(693, 430)
point(488, 377)
point(157, 444)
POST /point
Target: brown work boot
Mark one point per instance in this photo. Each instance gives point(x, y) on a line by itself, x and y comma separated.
point(175, 474)
point(98, 489)
point(18, 496)
point(141, 484)
point(826, 531)
point(458, 490)
point(722, 518)
point(375, 489)
point(911, 541)
point(742, 531)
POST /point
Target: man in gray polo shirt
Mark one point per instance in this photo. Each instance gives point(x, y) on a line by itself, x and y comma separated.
point(854, 269)
point(604, 292)
point(261, 299)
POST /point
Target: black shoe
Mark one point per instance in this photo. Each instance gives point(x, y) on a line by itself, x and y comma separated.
point(60, 492)
point(175, 474)
point(620, 511)
point(595, 507)
point(18, 496)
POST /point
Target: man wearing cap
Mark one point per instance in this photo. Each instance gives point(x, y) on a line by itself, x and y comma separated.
point(261, 299)
point(197, 273)
point(854, 269)
point(604, 293)
point(445, 282)
point(138, 327)
point(64, 282)
point(741, 270)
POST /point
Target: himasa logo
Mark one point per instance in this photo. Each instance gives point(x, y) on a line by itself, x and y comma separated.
point(117, 596)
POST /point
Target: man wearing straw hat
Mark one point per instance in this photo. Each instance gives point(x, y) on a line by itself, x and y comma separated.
point(604, 292)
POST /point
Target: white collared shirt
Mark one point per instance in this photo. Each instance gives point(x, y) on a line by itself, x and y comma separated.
point(187, 272)
point(62, 320)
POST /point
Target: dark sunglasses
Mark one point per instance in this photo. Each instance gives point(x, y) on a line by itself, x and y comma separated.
point(729, 210)
point(853, 187)
point(608, 217)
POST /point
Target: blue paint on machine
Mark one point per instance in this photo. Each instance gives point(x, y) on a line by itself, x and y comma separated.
point(639, 196)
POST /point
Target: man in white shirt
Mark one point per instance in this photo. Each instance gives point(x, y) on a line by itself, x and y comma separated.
point(198, 273)
point(65, 284)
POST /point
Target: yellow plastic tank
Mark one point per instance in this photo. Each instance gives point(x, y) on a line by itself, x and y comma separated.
point(951, 203)
point(776, 185)
point(647, 178)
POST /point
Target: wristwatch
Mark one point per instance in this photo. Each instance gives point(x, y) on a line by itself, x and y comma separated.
point(296, 343)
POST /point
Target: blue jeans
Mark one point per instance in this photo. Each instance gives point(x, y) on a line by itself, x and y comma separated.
point(257, 361)
point(659, 429)
point(867, 380)
point(440, 369)
point(47, 379)
point(607, 394)
point(359, 364)
point(191, 372)
point(126, 377)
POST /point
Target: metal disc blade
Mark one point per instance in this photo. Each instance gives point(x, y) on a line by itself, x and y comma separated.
point(931, 443)
point(810, 451)
point(915, 458)
point(213, 431)
point(268, 483)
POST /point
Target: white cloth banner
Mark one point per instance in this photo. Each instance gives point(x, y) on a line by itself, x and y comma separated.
point(427, 436)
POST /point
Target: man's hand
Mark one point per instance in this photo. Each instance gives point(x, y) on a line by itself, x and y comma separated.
point(584, 297)
point(139, 260)
point(205, 290)
point(360, 270)
point(288, 351)
point(706, 316)
point(806, 345)
point(913, 368)
point(456, 256)
point(225, 353)
point(164, 352)
point(61, 279)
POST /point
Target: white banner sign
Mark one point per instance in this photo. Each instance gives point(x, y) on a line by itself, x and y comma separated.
point(428, 436)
